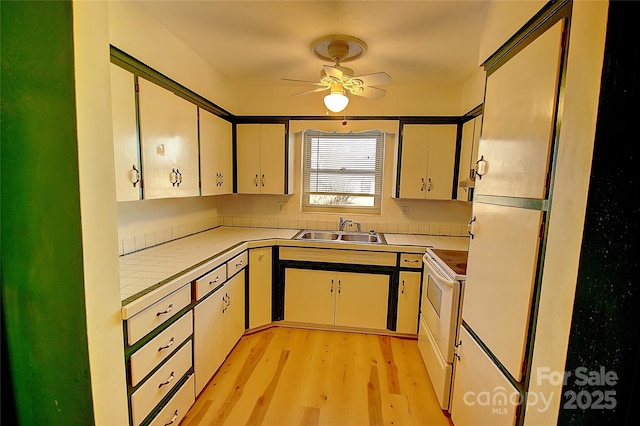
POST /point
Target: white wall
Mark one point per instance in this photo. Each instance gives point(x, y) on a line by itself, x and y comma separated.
point(132, 30)
point(97, 204)
point(473, 91)
point(427, 99)
point(502, 19)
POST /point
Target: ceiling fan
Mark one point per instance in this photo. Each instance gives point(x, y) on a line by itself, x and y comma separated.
point(340, 80)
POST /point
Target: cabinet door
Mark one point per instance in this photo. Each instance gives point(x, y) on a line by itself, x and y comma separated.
point(441, 161)
point(248, 161)
point(519, 117)
point(413, 166)
point(169, 140)
point(482, 395)
point(501, 270)
point(259, 286)
point(272, 159)
point(216, 159)
point(362, 300)
point(125, 135)
point(468, 153)
point(408, 302)
point(208, 335)
point(309, 296)
point(234, 315)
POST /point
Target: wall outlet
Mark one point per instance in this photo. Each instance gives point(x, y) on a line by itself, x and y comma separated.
point(281, 207)
point(405, 210)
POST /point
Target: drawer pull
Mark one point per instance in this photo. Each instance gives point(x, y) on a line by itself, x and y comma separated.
point(240, 264)
point(173, 419)
point(169, 380)
point(169, 309)
point(168, 345)
point(410, 261)
point(214, 281)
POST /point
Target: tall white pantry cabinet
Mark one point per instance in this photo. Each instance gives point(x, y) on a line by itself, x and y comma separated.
point(510, 208)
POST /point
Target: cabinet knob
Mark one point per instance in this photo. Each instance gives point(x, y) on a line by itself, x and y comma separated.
point(168, 345)
point(173, 419)
point(481, 167)
point(134, 175)
point(169, 380)
point(472, 227)
point(166, 311)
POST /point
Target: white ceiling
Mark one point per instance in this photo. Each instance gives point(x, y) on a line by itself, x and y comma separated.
point(261, 42)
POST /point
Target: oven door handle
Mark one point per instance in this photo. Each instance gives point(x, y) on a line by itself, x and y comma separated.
point(436, 272)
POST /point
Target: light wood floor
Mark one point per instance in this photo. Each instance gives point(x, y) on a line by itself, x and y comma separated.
point(287, 376)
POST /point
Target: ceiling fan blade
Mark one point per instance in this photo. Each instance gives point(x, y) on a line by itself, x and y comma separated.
point(369, 92)
point(333, 72)
point(320, 89)
point(315, 83)
point(375, 79)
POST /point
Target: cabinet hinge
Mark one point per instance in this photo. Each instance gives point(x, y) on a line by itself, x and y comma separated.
point(137, 87)
point(541, 234)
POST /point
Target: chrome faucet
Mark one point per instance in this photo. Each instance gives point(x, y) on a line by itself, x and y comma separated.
point(343, 223)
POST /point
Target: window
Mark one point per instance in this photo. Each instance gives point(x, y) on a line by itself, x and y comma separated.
point(342, 171)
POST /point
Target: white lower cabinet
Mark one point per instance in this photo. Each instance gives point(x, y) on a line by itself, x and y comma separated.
point(178, 405)
point(218, 325)
point(260, 272)
point(154, 389)
point(482, 395)
point(336, 298)
point(143, 361)
point(408, 301)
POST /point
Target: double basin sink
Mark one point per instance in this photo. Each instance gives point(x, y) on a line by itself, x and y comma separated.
point(338, 236)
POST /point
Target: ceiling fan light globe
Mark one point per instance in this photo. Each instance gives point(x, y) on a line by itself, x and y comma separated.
point(336, 102)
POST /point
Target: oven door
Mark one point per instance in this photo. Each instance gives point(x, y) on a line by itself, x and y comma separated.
point(440, 306)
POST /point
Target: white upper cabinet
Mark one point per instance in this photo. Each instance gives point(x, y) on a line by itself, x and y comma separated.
point(125, 135)
point(216, 158)
point(468, 154)
point(169, 142)
point(262, 159)
point(519, 117)
point(427, 161)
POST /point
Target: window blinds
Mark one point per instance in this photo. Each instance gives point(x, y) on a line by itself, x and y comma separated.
point(343, 169)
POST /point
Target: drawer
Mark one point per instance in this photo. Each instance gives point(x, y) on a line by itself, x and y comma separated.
point(237, 264)
point(357, 257)
point(151, 392)
point(411, 260)
point(178, 405)
point(209, 282)
point(160, 347)
point(145, 321)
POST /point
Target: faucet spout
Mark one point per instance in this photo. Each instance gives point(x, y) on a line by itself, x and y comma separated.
point(343, 223)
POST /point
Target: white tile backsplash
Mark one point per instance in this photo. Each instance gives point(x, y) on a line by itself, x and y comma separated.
point(131, 243)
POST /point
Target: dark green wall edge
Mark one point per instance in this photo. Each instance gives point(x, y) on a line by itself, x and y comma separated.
point(44, 340)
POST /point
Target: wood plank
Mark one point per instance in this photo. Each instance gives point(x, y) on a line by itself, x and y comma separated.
point(262, 404)
point(392, 369)
point(374, 397)
point(310, 416)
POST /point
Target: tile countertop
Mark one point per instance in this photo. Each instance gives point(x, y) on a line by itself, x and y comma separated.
point(150, 274)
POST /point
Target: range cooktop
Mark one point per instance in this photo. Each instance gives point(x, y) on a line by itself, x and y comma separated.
point(456, 260)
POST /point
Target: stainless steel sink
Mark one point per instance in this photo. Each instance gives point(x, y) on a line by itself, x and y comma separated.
point(338, 236)
point(313, 235)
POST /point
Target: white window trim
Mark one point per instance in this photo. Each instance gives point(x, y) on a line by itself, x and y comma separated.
point(378, 173)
